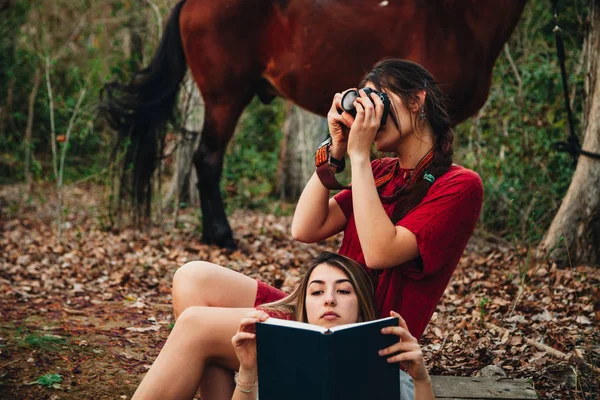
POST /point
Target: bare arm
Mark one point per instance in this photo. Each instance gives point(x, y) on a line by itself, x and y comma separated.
point(384, 245)
point(424, 390)
point(410, 356)
point(244, 344)
point(317, 217)
point(249, 392)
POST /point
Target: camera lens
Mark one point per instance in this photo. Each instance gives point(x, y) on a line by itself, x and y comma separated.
point(348, 100)
point(350, 97)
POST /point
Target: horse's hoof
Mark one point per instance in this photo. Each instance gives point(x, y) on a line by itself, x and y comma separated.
point(224, 241)
point(207, 239)
point(228, 243)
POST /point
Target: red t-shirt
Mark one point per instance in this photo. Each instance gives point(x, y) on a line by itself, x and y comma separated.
point(442, 223)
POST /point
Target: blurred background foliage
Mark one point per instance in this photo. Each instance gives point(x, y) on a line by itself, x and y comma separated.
point(86, 42)
point(509, 143)
point(249, 173)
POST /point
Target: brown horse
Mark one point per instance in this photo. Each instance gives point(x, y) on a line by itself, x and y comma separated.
point(303, 50)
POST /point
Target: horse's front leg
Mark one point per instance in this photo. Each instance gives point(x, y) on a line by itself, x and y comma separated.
point(215, 227)
point(221, 116)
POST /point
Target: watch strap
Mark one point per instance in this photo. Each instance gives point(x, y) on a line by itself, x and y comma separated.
point(339, 165)
point(328, 179)
point(322, 161)
point(322, 156)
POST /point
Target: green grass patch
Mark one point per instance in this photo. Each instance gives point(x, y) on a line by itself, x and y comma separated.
point(48, 380)
point(42, 342)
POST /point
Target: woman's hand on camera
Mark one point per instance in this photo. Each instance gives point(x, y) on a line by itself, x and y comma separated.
point(339, 127)
point(407, 351)
point(244, 341)
point(366, 124)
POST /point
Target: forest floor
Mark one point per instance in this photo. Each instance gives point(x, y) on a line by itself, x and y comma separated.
point(84, 319)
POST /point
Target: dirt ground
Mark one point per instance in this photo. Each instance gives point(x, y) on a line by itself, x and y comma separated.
point(95, 308)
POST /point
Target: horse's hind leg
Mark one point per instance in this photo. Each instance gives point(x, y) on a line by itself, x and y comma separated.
point(222, 114)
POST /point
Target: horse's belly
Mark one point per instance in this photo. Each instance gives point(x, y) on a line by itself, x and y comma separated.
point(316, 65)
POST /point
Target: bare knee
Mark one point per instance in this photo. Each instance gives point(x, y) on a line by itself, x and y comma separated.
point(191, 319)
point(197, 273)
point(205, 284)
point(204, 325)
point(206, 328)
point(190, 284)
point(193, 325)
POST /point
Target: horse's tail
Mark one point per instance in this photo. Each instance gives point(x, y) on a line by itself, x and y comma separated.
point(140, 110)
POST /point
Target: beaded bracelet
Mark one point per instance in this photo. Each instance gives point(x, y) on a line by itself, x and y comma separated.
point(239, 384)
point(247, 391)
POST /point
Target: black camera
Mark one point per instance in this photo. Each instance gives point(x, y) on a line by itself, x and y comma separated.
point(351, 95)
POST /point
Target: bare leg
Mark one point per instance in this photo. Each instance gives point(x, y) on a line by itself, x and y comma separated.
point(200, 283)
point(201, 336)
point(217, 383)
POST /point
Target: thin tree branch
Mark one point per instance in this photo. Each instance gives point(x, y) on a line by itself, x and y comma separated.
point(75, 33)
point(515, 70)
point(68, 135)
point(54, 151)
point(573, 358)
point(52, 127)
point(28, 131)
point(62, 160)
point(158, 17)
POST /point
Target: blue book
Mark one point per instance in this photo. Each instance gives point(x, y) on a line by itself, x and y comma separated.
point(299, 361)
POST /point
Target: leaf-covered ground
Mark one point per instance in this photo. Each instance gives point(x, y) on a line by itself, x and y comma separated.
point(84, 319)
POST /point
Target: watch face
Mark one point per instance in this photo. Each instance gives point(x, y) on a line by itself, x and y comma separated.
point(326, 142)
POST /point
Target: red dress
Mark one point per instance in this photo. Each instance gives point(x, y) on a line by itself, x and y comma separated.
point(442, 223)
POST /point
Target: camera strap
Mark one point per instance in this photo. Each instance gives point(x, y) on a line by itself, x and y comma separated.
point(328, 179)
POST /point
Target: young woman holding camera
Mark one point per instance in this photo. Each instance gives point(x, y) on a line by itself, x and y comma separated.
point(336, 290)
point(407, 219)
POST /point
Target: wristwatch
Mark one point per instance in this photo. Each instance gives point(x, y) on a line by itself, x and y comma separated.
point(323, 160)
point(324, 156)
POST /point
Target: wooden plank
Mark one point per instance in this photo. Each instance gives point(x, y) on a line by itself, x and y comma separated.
point(481, 388)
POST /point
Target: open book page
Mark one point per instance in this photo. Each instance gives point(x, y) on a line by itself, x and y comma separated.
point(294, 324)
point(316, 328)
point(348, 326)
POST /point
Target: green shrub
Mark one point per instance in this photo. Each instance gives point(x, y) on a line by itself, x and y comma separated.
point(250, 169)
point(511, 144)
point(72, 35)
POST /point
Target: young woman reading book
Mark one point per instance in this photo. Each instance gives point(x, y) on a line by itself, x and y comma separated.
point(335, 291)
point(407, 219)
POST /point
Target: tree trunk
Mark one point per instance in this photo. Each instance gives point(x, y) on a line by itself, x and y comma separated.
point(135, 44)
point(302, 133)
point(184, 183)
point(578, 219)
point(5, 4)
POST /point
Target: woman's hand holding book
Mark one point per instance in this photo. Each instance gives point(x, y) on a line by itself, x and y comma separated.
point(407, 351)
point(244, 341)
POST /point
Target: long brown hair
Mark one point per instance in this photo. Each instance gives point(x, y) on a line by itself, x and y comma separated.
point(407, 79)
point(295, 303)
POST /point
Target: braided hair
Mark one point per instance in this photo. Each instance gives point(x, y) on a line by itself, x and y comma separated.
point(407, 79)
